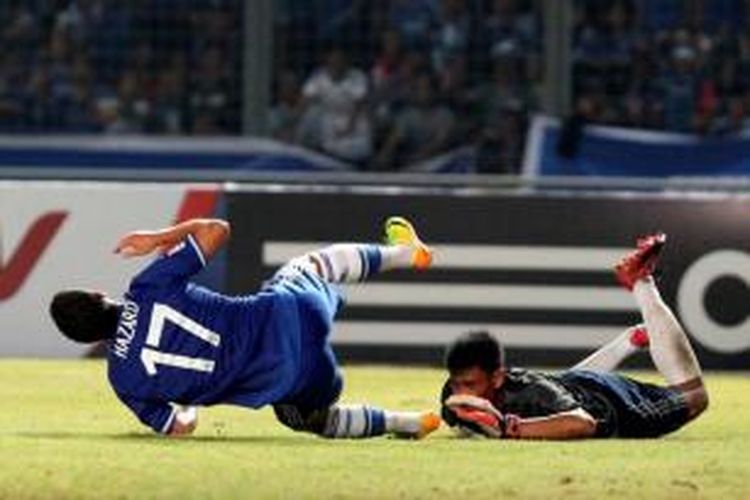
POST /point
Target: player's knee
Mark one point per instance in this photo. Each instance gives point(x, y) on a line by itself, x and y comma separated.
point(698, 401)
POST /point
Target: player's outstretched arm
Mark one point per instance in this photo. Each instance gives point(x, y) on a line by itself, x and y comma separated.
point(574, 424)
point(210, 234)
point(477, 415)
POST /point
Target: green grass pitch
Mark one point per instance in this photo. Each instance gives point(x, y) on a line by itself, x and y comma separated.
point(64, 435)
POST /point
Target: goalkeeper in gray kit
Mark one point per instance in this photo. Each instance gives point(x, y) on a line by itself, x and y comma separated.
point(483, 396)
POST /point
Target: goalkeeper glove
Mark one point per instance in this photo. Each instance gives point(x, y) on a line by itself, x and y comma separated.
point(479, 416)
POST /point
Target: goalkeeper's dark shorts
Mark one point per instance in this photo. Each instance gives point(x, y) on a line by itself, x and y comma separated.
point(640, 409)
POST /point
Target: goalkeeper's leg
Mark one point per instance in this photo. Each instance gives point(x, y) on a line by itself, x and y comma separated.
point(612, 354)
point(669, 345)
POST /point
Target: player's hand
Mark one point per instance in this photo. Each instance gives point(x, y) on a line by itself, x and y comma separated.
point(138, 243)
point(476, 415)
point(185, 422)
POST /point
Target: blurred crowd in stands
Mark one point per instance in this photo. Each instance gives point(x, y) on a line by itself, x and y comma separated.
point(675, 65)
point(110, 66)
point(403, 80)
point(380, 84)
point(398, 82)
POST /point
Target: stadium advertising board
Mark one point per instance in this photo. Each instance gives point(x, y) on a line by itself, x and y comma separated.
point(55, 236)
point(604, 151)
point(535, 270)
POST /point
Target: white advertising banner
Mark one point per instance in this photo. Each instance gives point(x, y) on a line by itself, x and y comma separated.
point(56, 235)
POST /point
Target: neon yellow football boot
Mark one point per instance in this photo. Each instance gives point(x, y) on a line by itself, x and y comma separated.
point(399, 231)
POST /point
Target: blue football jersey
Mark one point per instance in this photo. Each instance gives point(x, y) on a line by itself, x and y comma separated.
point(177, 342)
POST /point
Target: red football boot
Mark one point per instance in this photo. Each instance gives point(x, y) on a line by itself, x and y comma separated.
point(641, 262)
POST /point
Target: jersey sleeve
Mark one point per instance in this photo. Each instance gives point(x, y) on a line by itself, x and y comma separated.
point(177, 265)
point(157, 415)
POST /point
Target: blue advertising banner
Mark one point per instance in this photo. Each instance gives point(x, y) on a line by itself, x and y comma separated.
point(203, 154)
point(611, 151)
point(103, 154)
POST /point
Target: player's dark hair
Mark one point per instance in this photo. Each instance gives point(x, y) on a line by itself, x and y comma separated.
point(475, 348)
point(84, 316)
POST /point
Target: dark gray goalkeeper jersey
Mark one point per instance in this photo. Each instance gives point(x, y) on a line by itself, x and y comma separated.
point(620, 405)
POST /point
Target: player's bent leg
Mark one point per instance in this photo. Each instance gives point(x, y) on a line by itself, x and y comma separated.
point(356, 262)
point(670, 348)
point(297, 420)
point(609, 356)
point(669, 345)
point(357, 421)
point(360, 421)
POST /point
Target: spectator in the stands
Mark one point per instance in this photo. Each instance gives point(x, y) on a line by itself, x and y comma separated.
point(500, 106)
point(388, 59)
point(453, 89)
point(81, 112)
point(415, 21)
point(500, 148)
point(452, 35)
point(507, 24)
point(641, 101)
point(680, 90)
point(20, 32)
point(42, 108)
point(421, 130)
point(391, 94)
point(212, 105)
point(128, 111)
point(741, 115)
point(335, 115)
point(12, 92)
point(285, 115)
point(507, 90)
point(167, 103)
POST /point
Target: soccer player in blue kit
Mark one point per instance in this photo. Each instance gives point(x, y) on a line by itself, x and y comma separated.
point(174, 345)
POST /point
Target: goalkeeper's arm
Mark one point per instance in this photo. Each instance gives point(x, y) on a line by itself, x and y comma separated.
point(479, 416)
point(574, 424)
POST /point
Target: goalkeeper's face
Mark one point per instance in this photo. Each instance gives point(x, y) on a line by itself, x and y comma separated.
point(475, 381)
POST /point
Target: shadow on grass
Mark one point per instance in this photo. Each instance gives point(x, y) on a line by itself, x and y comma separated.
point(297, 440)
point(145, 438)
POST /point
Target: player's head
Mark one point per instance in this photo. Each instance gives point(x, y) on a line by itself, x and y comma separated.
point(84, 315)
point(475, 362)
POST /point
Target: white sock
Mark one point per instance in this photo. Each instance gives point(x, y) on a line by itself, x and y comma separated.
point(609, 356)
point(403, 422)
point(396, 257)
point(361, 421)
point(669, 346)
point(354, 421)
point(353, 262)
